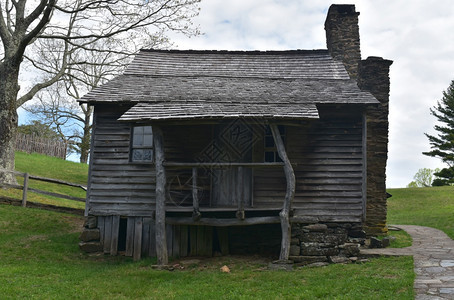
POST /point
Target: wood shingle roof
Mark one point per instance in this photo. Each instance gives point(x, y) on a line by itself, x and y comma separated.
point(170, 84)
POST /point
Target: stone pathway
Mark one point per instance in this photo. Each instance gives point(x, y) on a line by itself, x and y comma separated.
point(433, 253)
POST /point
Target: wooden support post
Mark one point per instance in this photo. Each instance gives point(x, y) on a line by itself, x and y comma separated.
point(289, 194)
point(115, 232)
point(239, 194)
point(25, 190)
point(138, 226)
point(196, 215)
point(161, 242)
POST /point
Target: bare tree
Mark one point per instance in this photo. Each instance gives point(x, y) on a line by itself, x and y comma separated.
point(29, 29)
point(57, 106)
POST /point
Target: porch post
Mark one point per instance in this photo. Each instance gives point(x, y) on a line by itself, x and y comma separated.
point(160, 222)
point(289, 194)
point(196, 215)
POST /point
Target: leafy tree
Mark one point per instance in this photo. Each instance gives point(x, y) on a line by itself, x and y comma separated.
point(37, 128)
point(412, 184)
point(422, 178)
point(442, 145)
point(60, 30)
point(444, 177)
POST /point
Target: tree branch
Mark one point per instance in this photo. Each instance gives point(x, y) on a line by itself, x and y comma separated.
point(5, 35)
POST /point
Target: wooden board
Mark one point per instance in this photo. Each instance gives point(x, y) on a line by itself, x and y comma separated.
point(138, 238)
point(107, 234)
point(184, 240)
point(130, 236)
point(114, 238)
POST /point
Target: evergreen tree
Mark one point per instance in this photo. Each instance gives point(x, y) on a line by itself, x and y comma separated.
point(442, 145)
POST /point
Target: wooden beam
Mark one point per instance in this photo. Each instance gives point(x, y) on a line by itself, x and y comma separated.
point(196, 215)
point(364, 166)
point(239, 194)
point(189, 165)
point(222, 222)
point(161, 243)
point(289, 194)
point(25, 189)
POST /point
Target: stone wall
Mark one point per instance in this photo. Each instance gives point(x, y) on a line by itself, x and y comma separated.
point(373, 76)
point(326, 243)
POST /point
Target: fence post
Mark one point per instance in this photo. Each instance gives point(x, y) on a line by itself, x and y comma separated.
point(24, 191)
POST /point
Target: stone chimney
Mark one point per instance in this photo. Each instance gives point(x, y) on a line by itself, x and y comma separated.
point(342, 36)
point(373, 76)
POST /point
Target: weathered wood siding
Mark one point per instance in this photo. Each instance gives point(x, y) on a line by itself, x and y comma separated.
point(117, 186)
point(327, 156)
point(135, 237)
point(329, 169)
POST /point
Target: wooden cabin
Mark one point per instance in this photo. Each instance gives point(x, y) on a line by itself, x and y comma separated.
point(197, 152)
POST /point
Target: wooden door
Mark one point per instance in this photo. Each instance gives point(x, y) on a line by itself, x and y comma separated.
point(233, 143)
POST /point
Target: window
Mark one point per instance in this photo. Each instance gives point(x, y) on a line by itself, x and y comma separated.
point(271, 154)
point(142, 144)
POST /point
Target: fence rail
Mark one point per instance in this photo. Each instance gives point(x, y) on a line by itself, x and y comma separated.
point(31, 143)
point(25, 188)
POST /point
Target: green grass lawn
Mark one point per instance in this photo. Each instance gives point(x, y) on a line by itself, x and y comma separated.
point(40, 259)
point(50, 167)
point(39, 256)
point(433, 207)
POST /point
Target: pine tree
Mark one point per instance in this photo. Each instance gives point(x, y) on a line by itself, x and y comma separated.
point(442, 145)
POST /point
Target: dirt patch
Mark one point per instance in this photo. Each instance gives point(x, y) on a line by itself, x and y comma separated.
point(76, 223)
point(33, 238)
point(233, 262)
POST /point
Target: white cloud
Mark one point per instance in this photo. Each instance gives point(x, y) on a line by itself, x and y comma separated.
point(417, 35)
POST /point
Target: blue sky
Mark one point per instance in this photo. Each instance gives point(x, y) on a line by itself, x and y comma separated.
point(417, 35)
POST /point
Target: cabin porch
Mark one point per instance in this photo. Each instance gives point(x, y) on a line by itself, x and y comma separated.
point(219, 193)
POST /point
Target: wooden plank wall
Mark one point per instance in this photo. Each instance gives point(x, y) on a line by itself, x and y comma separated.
point(329, 169)
point(328, 162)
point(116, 186)
point(139, 238)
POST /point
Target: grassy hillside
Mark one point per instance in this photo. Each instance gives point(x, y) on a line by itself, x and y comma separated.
point(50, 167)
point(40, 259)
point(433, 207)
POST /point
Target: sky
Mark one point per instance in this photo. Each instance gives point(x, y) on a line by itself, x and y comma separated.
point(417, 35)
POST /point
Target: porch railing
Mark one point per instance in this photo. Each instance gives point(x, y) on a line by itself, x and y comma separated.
point(239, 189)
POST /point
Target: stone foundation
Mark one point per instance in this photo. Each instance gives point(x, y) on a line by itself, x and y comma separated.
point(325, 243)
point(90, 236)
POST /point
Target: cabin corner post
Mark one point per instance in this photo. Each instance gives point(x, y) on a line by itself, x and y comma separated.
point(289, 194)
point(160, 222)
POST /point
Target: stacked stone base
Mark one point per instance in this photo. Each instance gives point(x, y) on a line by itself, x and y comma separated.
point(90, 237)
point(319, 244)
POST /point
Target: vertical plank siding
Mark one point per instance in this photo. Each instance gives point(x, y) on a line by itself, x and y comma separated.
point(182, 240)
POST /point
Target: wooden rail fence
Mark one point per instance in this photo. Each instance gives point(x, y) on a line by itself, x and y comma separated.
point(31, 143)
point(26, 188)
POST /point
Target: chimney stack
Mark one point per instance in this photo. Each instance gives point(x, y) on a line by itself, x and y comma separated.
point(342, 36)
point(373, 76)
